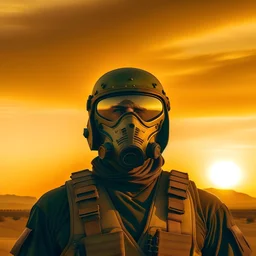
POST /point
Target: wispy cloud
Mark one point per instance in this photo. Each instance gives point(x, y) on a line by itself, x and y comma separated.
point(229, 39)
point(14, 7)
point(58, 51)
point(216, 132)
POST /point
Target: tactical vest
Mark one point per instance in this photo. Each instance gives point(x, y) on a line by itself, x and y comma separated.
point(96, 228)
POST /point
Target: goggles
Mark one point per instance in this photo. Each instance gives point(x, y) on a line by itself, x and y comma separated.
point(146, 107)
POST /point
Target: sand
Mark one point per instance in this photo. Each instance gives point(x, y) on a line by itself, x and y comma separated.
point(11, 229)
point(9, 232)
point(249, 230)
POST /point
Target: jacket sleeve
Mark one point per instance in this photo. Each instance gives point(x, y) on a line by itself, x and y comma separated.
point(36, 239)
point(224, 237)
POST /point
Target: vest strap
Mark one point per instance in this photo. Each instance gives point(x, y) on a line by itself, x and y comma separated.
point(175, 217)
point(86, 198)
point(177, 193)
point(175, 205)
point(80, 174)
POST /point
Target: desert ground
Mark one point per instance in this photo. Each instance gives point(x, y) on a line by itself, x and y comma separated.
point(11, 229)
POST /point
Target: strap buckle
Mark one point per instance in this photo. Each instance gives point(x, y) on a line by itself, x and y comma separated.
point(86, 192)
point(90, 213)
point(176, 205)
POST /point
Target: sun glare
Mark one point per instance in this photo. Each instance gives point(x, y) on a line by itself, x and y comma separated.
point(225, 174)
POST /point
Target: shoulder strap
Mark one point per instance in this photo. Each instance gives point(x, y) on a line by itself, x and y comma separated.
point(86, 197)
point(86, 228)
point(181, 198)
point(181, 225)
point(177, 193)
point(179, 236)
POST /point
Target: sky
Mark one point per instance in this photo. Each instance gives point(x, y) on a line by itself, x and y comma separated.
point(52, 52)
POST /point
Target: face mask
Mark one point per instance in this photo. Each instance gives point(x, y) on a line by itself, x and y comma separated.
point(128, 125)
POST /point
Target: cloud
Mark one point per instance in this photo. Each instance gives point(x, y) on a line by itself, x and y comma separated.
point(228, 39)
point(216, 132)
point(208, 84)
point(54, 53)
point(220, 73)
point(142, 20)
point(206, 52)
point(13, 7)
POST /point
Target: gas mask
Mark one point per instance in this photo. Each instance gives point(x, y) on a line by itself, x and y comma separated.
point(128, 125)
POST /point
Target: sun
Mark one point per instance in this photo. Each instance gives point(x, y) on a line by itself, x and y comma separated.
point(225, 174)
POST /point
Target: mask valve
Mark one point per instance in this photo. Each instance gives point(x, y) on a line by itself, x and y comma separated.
point(105, 151)
point(153, 150)
point(131, 156)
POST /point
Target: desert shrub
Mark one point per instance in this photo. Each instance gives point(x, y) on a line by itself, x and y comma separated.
point(2, 219)
point(250, 220)
point(16, 217)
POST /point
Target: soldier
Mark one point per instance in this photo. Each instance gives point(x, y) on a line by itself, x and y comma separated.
point(127, 205)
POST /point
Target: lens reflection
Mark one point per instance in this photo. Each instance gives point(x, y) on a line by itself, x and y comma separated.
point(146, 107)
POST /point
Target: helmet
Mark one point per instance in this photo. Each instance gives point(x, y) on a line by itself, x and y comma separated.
point(117, 84)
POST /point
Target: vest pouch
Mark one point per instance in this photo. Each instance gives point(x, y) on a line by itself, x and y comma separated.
point(172, 244)
point(108, 244)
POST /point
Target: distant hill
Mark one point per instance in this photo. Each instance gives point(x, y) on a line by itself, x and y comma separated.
point(16, 202)
point(233, 199)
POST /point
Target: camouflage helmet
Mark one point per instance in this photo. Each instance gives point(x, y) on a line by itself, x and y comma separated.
point(125, 81)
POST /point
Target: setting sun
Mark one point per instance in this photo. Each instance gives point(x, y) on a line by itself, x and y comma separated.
point(225, 174)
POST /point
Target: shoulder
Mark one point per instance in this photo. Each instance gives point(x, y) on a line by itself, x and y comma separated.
point(206, 203)
point(211, 209)
point(53, 200)
point(222, 231)
point(47, 226)
point(209, 201)
point(203, 199)
point(51, 210)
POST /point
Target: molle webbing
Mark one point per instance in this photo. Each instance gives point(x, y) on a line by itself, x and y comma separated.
point(87, 200)
point(86, 196)
point(177, 193)
point(174, 242)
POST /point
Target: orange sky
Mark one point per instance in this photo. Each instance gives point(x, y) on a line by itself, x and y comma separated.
point(52, 52)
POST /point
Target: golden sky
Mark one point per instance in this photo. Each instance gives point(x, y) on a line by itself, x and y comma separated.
point(53, 51)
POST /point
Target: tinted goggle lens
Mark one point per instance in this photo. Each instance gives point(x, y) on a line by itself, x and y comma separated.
point(146, 107)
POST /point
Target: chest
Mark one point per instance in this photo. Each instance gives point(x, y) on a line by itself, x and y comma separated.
point(115, 239)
